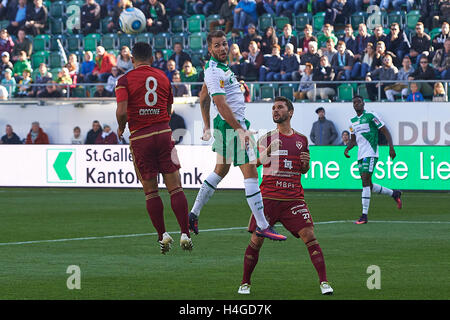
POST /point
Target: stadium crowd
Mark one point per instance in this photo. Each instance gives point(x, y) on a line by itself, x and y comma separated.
point(270, 41)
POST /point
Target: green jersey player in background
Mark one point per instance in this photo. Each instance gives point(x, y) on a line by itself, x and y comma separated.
point(364, 133)
point(233, 142)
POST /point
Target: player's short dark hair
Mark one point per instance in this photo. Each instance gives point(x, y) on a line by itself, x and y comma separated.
point(357, 97)
point(285, 100)
point(215, 34)
point(142, 51)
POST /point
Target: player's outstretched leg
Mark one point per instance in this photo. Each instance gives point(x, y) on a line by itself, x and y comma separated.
point(250, 260)
point(395, 194)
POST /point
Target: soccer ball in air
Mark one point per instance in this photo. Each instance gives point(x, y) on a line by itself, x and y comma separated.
point(132, 20)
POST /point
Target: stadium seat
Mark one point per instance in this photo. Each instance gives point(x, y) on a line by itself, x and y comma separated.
point(357, 18)
point(280, 22)
point(267, 91)
point(54, 41)
point(57, 25)
point(196, 23)
point(126, 40)
point(179, 37)
point(301, 20)
point(345, 92)
point(396, 16)
point(197, 41)
point(39, 57)
point(210, 18)
point(55, 60)
point(57, 9)
point(287, 90)
point(78, 92)
point(265, 21)
point(362, 91)
point(376, 18)
point(433, 33)
point(318, 20)
point(167, 53)
point(41, 42)
point(78, 3)
point(74, 42)
point(412, 18)
point(109, 41)
point(104, 25)
point(145, 37)
point(197, 57)
point(177, 24)
point(91, 41)
point(161, 41)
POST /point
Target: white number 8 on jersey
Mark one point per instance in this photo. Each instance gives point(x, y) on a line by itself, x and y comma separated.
point(151, 91)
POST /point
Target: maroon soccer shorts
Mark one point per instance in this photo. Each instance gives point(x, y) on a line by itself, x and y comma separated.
point(154, 152)
point(293, 215)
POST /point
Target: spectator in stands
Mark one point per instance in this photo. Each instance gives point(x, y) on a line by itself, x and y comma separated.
point(124, 62)
point(51, 91)
point(378, 35)
point(287, 37)
point(349, 39)
point(342, 62)
point(190, 74)
point(380, 52)
point(252, 35)
point(174, 7)
point(207, 7)
point(289, 70)
point(235, 59)
point(291, 6)
point(424, 72)
point(24, 88)
point(113, 25)
point(112, 81)
point(9, 82)
point(90, 17)
point(397, 42)
point(439, 93)
point(303, 44)
point(73, 66)
point(171, 68)
point(100, 92)
point(396, 4)
point(92, 134)
point(434, 12)
point(338, 12)
point(42, 77)
point(306, 84)
point(415, 94)
point(271, 65)
point(76, 139)
point(329, 50)
point(107, 136)
point(6, 42)
point(6, 64)
point(268, 40)
point(157, 20)
point(17, 15)
point(312, 56)
point(3, 93)
point(401, 87)
point(36, 135)
point(265, 6)
point(235, 37)
point(226, 16)
point(387, 72)
point(245, 14)
point(362, 39)
point(179, 56)
point(441, 61)
point(345, 136)
point(87, 66)
point(420, 43)
point(159, 61)
point(178, 126)
point(104, 61)
point(254, 61)
point(327, 30)
point(20, 65)
point(22, 43)
point(323, 73)
point(4, 5)
point(179, 89)
point(438, 41)
point(36, 18)
point(10, 136)
point(323, 131)
point(64, 80)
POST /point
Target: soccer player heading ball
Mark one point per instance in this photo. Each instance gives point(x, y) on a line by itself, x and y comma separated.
point(364, 133)
point(284, 154)
point(144, 100)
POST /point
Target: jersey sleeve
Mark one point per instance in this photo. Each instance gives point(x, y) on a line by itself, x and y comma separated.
point(122, 89)
point(215, 81)
point(377, 121)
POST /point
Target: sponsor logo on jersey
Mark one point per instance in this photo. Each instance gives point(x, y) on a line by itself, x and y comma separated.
point(280, 153)
point(287, 164)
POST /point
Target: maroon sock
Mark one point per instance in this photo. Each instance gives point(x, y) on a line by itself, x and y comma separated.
point(155, 209)
point(250, 261)
point(316, 255)
point(179, 205)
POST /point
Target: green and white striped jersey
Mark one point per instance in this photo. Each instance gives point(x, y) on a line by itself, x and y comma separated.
point(221, 80)
point(365, 128)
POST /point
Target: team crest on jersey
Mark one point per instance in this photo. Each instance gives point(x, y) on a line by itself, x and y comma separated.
point(298, 144)
point(222, 84)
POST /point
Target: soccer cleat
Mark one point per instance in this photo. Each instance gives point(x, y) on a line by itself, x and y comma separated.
point(326, 288)
point(270, 233)
point(244, 288)
point(186, 242)
point(396, 195)
point(166, 243)
point(193, 222)
point(362, 219)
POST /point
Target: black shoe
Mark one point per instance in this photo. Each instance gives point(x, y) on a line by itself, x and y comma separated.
point(193, 223)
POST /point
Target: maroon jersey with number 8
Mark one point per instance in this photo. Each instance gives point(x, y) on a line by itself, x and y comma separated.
point(149, 94)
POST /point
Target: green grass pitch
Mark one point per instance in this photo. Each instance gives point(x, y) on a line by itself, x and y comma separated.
point(108, 234)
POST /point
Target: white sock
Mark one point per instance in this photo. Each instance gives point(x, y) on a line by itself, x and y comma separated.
point(376, 188)
point(365, 197)
point(206, 191)
point(255, 202)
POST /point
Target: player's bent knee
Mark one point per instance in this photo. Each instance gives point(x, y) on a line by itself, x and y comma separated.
point(172, 180)
point(150, 185)
point(307, 234)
